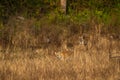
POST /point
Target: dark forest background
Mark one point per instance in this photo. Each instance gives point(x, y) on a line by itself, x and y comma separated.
point(38, 18)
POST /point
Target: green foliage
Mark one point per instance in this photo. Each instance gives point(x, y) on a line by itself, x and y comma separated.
point(79, 12)
point(36, 7)
point(82, 16)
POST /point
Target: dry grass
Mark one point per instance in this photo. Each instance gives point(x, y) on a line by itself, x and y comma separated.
point(91, 64)
point(31, 53)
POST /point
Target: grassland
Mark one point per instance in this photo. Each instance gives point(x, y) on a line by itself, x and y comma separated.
point(95, 63)
point(28, 46)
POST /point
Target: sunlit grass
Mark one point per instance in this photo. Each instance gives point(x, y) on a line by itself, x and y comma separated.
point(91, 64)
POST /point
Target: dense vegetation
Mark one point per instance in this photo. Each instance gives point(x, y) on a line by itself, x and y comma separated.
point(82, 16)
point(38, 7)
point(39, 42)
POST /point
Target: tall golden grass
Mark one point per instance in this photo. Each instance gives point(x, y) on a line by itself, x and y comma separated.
point(30, 56)
point(91, 64)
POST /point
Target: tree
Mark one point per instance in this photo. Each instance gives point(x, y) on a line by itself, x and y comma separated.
point(63, 6)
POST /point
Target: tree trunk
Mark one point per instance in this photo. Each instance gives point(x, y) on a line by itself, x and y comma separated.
point(64, 6)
